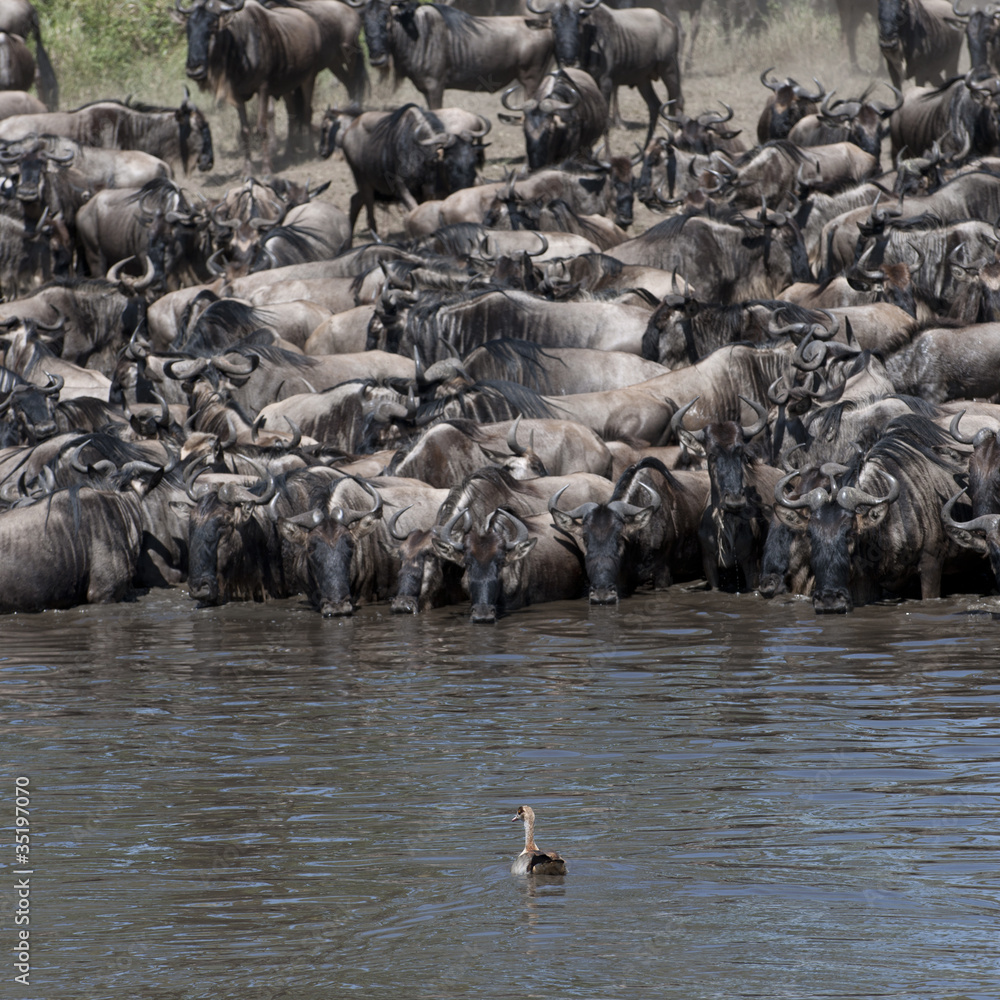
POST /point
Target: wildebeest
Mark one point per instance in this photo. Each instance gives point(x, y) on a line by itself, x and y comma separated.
point(789, 103)
point(861, 122)
point(965, 107)
point(503, 570)
point(883, 526)
point(177, 135)
point(562, 119)
point(619, 48)
point(851, 14)
point(982, 32)
point(724, 261)
point(19, 17)
point(917, 40)
point(646, 532)
point(242, 49)
point(734, 522)
point(93, 543)
point(17, 67)
point(402, 155)
point(439, 48)
point(154, 221)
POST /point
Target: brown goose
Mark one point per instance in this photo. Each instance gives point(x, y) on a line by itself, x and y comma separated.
point(532, 861)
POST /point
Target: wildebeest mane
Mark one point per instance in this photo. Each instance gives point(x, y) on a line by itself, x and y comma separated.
point(302, 240)
point(158, 188)
point(519, 361)
point(488, 401)
point(649, 462)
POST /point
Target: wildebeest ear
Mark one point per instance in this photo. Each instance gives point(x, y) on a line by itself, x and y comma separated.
point(872, 518)
point(518, 551)
point(564, 522)
point(177, 17)
point(690, 443)
point(292, 532)
point(183, 507)
point(364, 525)
point(591, 184)
point(637, 521)
point(536, 22)
point(793, 519)
point(447, 551)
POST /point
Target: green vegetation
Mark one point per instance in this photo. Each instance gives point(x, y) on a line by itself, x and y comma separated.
point(103, 48)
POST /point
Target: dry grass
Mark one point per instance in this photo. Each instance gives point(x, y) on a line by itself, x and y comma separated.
point(798, 43)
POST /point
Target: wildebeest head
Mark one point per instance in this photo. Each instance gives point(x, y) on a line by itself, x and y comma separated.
point(330, 129)
point(982, 32)
point(982, 532)
point(376, 19)
point(421, 573)
point(724, 446)
point(569, 21)
point(230, 540)
point(26, 409)
point(202, 21)
point(492, 559)
point(789, 103)
point(552, 127)
point(777, 235)
point(324, 542)
point(836, 525)
point(861, 121)
point(602, 531)
point(703, 134)
point(194, 135)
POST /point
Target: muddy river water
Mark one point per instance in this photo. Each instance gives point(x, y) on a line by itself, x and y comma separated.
point(754, 801)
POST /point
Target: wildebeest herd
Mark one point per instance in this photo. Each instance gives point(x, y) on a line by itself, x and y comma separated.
point(786, 385)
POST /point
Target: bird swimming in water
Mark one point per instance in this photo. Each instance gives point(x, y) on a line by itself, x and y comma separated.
point(532, 861)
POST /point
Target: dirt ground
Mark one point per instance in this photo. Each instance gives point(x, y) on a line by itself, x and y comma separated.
point(802, 47)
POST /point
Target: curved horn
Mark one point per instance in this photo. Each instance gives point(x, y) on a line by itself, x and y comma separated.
point(115, 269)
point(985, 522)
point(954, 431)
point(814, 499)
point(186, 10)
point(677, 422)
point(391, 525)
point(515, 448)
point(544, 247)
point(505, 100)
point(233, 493)
point(189, 484)
point(803, 95)
point(885, 110)
point(810, 354)
point(55, 384)
point(771, 85)
point(577, 513)
point(754, 429)
point(851, 497)
point(213, 265)
point(251, 361)
point(449, 527)
point(375, 510)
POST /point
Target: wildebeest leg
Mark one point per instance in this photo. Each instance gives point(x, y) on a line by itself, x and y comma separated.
point(653, 103)
point(359, 198)
point(695, 26)
point(709, 550)
point(265, 126)
point(434, 95)
point(241, 111)
point(931, 567)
